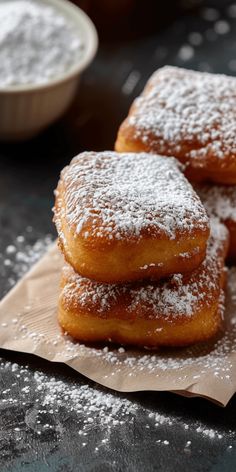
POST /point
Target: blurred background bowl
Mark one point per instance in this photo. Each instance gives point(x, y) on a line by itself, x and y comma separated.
point(26, 110)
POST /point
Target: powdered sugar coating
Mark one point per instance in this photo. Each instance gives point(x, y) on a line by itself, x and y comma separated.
point(188, 114)
point(219, 200)
point(177, 297)
point(116, 196)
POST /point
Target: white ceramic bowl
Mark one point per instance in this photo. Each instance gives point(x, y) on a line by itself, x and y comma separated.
point(26, 110)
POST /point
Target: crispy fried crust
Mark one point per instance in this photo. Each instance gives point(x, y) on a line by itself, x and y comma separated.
point(189, 115)
point(178, 312)
point(121, 220)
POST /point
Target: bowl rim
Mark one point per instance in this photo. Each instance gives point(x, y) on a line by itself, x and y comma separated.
point(90, 50)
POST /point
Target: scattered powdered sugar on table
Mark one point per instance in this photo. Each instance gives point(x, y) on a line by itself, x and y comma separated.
point(19, 256)
point(106, 195)
point(37, 43)
point(43, 397)
point(187, 114)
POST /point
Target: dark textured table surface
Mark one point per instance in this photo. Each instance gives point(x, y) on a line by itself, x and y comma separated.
point(41, 427)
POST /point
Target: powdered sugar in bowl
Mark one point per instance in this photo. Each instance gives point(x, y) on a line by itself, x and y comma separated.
point(44, 46)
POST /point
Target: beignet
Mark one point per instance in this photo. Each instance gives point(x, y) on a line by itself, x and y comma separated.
point(176, 312)
point(187, 114)
point(126, 217)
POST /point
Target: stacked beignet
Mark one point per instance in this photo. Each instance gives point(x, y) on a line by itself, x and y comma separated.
point(140, 266)
point(192, 116)
point(178, 311)
point(125, 217)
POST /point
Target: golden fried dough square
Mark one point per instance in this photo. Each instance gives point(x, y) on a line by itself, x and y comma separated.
point(187, 114)
point(180, 311)
point(125, 217)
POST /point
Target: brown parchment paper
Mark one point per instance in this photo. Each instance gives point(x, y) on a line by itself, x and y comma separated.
point(28, 323)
